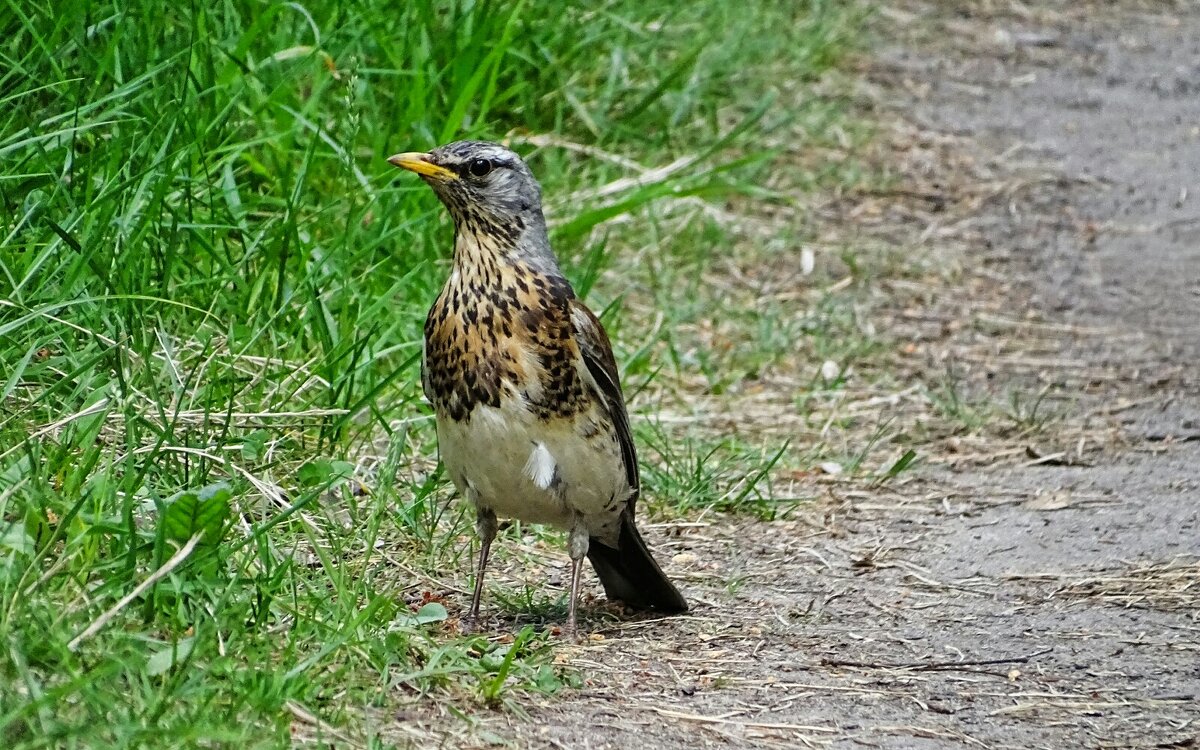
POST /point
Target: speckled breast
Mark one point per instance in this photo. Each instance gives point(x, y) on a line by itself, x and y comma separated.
point(498, 333)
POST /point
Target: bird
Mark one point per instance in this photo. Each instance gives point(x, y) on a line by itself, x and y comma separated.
point(531, 421)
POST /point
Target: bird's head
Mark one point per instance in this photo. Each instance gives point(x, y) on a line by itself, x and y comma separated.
point(485, 186)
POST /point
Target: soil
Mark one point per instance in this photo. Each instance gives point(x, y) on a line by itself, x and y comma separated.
point(1050, 599)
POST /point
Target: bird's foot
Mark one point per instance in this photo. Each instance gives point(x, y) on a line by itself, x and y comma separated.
point(570, 632)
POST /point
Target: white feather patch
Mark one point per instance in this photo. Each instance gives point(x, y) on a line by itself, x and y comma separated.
point(540, 466)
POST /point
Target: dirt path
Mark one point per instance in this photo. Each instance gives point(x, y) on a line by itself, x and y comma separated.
point(1049, 602)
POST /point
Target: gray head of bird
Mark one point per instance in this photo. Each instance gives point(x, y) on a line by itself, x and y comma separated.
point(486, 187)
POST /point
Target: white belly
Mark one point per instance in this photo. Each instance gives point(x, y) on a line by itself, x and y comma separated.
point(506, 460)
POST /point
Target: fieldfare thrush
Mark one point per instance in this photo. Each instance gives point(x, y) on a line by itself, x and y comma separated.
point(531, 423)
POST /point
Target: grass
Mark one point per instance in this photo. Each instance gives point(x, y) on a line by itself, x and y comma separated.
point(211, 294)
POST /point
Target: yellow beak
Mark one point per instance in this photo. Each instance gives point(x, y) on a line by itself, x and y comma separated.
point(415, 161)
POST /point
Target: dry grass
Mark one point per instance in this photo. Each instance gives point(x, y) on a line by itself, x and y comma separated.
point(1168, 586)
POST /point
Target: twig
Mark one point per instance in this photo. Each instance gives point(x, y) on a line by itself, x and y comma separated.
point(304, 715)
point(153, 578)
point(1160, 437)
point(749, 724)
point(929, 666)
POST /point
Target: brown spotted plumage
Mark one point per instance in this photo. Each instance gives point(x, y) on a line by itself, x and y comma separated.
point(530, 417)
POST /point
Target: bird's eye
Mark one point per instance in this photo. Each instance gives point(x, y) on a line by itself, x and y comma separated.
point(480, 167)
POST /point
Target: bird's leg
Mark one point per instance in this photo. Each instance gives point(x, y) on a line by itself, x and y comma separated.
point(577, 547)
point(485, 527)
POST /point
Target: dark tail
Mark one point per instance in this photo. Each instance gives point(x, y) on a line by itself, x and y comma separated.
point(630, 574)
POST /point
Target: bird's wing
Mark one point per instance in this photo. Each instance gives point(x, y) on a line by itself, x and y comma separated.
point(598, 359)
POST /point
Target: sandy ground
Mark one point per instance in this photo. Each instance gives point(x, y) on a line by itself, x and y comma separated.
point(1050, 599)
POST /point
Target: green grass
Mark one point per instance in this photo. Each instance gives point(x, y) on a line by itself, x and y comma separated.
point(211, 294)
